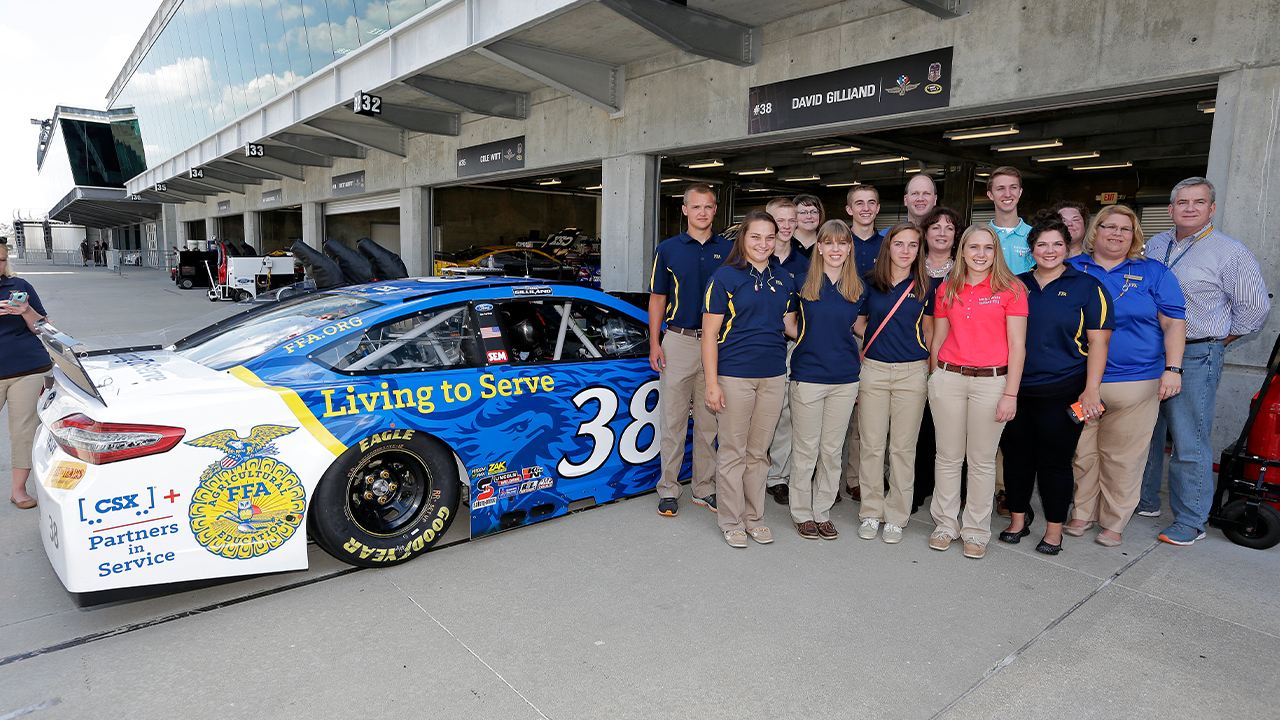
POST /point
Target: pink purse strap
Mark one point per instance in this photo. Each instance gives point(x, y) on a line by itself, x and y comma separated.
point(876, 334)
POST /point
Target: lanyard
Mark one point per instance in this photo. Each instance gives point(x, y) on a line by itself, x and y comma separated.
point(1183, 254)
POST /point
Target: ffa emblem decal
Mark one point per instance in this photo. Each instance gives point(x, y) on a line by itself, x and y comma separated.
point(904, 86)
point(248, 503)
point(935, 72)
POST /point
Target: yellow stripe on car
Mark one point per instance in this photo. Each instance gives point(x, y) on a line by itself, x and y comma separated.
point(297, 407)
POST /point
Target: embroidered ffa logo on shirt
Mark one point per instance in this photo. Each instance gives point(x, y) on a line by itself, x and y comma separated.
point(989, 300)
point(715, 256)
point(1062, 293)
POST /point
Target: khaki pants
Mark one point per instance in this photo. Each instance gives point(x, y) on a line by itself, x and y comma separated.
point(819, 415)
point(780, 448)
point(680, 384)
point(1112, 454)
point(746, 427)
point(21, 394)
point(851, 455)
point(892, 398)
point(964, 413)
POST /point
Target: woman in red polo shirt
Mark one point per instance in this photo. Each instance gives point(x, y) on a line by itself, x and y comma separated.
point(979, 343)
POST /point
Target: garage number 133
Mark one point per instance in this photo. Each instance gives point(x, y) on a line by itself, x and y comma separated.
point(603, 437)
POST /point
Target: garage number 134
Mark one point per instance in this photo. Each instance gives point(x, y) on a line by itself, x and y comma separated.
point(603, 437)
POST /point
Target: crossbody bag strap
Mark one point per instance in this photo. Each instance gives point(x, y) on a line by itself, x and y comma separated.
point(876, 334)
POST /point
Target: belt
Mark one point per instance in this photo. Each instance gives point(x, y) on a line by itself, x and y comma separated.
point(970, 371)
point(685, 331)
point(1197, 341)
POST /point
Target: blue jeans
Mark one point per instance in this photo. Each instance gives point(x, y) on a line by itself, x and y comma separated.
point(1188, 417)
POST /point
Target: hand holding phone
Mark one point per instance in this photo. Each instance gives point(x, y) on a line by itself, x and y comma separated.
point(1076, 412)
point(17, 298)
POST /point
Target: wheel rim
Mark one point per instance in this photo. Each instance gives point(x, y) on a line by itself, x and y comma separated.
point(386, 494)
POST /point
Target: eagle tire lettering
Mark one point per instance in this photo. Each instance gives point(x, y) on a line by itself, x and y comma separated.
point(387, 499)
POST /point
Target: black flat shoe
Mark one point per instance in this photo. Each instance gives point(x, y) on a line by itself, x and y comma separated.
point(1013, 538)
point(1047, 549)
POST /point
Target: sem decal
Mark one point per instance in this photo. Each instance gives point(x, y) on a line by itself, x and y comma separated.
point(248, 503)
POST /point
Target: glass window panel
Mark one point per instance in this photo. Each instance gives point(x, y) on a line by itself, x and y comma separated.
point(269, 66)
point(293, 38)
point(401, 10)
point(319, 36)
point(206, 35)
point(373, 17)
point(199, 123)
point(343, 26)
point(260, 83)
point(238, 75)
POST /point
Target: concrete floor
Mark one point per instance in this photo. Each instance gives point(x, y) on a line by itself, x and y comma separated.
point(617, 612)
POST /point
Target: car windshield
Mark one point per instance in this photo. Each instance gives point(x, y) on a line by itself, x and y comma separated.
point(251, 336)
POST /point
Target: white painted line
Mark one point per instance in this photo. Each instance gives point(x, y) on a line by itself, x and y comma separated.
point(33, 708)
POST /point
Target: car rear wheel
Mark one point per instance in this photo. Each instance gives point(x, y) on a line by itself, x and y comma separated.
point(387, 499)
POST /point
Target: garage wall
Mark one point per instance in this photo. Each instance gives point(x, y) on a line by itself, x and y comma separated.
point(350, 227)
point(497, 216)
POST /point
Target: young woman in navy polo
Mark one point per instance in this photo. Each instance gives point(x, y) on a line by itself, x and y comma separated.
point(1069, 322)
point(895, 366)
point(748, 306)
point(824, 378)
point(23, 362)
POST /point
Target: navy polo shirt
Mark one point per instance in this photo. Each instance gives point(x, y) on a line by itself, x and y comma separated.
point(797, 246)
point(1140, 288)
point(902, 339)
point(681, 270)
point(797, 265)
point(22, 353)
point(866, 251)
point(1057, 318)
point(826, 351)
point(752, 340)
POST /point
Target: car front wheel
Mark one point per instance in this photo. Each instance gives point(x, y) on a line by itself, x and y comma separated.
point(387, 499)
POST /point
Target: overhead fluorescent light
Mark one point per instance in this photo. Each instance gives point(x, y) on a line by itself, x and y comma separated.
point(759, 189)
point(1068, 156)
point(1207, 106)
point(806, 178)
point(1028, 145)
point(548, 181)
point(841, 184)
point(830, 150)
point(758, 171)
point(882, 159)
point(1110, 166)
point(667, 180)
point(986, 174)
point(913, 170)
point(709, 163)
point(594, 187)
point(981, 132)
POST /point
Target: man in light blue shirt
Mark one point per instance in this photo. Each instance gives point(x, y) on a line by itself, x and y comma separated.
point(1004, 187)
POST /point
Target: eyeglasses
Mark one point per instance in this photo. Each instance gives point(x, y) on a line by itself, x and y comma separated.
point(807, 212)
point(1117, 228)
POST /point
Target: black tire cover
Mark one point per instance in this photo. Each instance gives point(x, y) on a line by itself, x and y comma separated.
point(319, 267)
point(355, 268)
point(386, 264)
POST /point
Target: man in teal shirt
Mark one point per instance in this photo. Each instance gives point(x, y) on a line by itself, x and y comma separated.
point(1004, 187)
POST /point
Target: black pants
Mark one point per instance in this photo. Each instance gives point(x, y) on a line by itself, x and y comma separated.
point(1039, 443)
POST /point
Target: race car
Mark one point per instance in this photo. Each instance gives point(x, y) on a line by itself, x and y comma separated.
point(507, 260)
point(374, 415)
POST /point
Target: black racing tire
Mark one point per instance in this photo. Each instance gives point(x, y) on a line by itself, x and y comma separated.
point(387, 499)
point(186, 283)
point(1265, 535)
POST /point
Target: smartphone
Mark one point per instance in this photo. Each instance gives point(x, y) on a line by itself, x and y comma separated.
point(1076, 412)
point(17, 298)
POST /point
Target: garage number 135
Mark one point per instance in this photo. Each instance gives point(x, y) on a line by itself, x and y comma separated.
point(603, 437)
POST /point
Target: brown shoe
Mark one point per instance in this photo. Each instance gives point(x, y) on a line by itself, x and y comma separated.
point(24, 504)
point(940, 540)
point(760, 534)
point(827, 531)
point(808, 529)
point(974, 550)
point(855, 493)
point(1002, 508)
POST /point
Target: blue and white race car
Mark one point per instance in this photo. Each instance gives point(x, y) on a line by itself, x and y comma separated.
point(373, 414)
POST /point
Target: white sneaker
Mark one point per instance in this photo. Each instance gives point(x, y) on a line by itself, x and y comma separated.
point(892, 533)
point(1149, 513)
point(869, 529)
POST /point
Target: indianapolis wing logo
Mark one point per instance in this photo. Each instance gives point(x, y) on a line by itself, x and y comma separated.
point(247, 503)
point(904, 86)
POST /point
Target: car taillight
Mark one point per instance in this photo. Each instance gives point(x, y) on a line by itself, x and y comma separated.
point(101, 443)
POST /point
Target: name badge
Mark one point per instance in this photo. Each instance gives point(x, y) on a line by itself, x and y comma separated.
point(1134, 278)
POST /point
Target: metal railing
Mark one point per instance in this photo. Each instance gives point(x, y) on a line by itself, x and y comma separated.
point(126, 258)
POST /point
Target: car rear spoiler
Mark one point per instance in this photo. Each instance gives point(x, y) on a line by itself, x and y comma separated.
point(62, 350)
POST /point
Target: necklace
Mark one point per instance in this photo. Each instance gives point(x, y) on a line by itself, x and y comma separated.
point(939, 272)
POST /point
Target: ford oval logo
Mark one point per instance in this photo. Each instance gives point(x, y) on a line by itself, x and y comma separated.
point(484, 307)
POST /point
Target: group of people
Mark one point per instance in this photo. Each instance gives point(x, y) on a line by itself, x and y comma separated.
point(96, 252)
point(974, 364)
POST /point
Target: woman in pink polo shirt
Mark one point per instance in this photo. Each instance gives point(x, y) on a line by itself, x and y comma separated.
point(979, 343)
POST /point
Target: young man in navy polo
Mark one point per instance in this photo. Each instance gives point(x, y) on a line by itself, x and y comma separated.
point(863, 208)
point(681, 271)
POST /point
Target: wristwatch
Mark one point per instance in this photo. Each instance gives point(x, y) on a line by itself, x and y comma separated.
point(1173, 368)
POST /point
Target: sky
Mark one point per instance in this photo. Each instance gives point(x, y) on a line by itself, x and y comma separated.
point(56, 52)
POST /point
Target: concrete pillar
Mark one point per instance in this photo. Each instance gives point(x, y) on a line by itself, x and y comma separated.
point(1244, 166)
point(253, 229)
point(957, 192)
point(170, 234)
point(417, 230)
point(629, 221)
point(313, 224)
point(211, 230)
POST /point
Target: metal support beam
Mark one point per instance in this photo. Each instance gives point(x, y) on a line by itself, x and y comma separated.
point(296, 156)
point(165, 197)
point(416, 119)
point(191, 187)
point(943, 9)
point(365, 134)
point(591, 81)
point(321, 145)
point(214, 184)
point(230, 177)
point(479, 99)
point(694, 31)
point(271, 165)
point(243, 169)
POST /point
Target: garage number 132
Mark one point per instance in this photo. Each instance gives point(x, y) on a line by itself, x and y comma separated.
point(603, 437)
